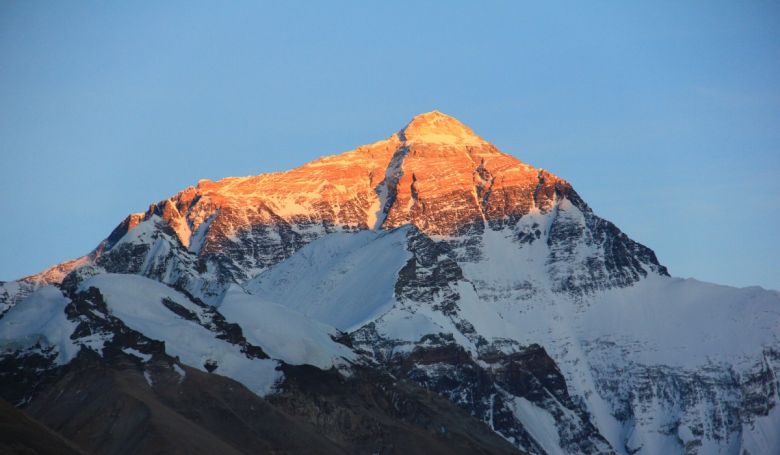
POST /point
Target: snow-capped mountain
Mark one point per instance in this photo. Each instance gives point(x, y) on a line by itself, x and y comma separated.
point(438, 261)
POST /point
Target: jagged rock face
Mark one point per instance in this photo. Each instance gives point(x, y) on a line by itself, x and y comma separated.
point(492, 385)
point(506, 380)
point(436, 258)
point(444, 189)
point(711, 409)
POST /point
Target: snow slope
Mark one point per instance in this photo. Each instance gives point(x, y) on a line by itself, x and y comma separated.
point(683, 323)
point(284, 333)
point(344, 279)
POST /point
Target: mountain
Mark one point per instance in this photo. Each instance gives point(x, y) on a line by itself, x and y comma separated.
point(426, 292)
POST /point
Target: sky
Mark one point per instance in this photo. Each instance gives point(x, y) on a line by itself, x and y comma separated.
point(665, 116)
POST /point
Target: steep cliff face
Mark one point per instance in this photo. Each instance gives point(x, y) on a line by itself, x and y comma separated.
point(433, 257)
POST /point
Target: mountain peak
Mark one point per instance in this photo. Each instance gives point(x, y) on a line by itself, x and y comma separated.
point(437, 128)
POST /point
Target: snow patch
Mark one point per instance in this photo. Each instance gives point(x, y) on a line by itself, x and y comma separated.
point(539, 423)
point(136, 353)
point(148, 377)
point(386, 189)
point(199, 237)
point(180, 371)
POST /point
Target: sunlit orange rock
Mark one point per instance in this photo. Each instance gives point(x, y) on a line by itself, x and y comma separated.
point(435, 173)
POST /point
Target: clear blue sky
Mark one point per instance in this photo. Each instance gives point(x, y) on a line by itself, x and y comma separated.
point(664, 115)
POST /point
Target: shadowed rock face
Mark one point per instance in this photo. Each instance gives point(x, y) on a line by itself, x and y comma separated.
point(374, 412)
point(123, 406)
point(487, 387)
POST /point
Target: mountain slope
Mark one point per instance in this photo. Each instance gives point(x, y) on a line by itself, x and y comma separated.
point(432, 257)
point(19, 434)
point(121, 405)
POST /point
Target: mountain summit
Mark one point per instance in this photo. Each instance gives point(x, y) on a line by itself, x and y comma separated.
point(348, 289)
point(435, 174)
point(437, 128)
